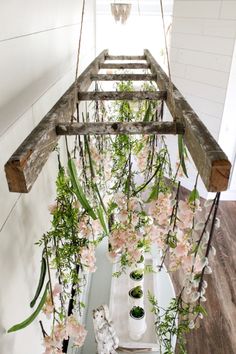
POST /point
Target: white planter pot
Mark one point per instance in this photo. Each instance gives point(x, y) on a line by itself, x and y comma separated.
point(135, 282)
point(137, 327)
point(135, 301)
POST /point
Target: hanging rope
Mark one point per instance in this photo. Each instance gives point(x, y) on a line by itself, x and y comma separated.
point(74, 97)
point(77, 62)
point(168, 61)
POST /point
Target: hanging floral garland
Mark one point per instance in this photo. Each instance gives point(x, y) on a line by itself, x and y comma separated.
point(122, 188)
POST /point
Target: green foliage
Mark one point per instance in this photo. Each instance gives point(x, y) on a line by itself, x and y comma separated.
point(137, 312)
point(62, 240)
point(194, 195)
point(136, 292)
point(102, 220)
point(78, 189)
point(32, 317)
point(41, 281)
point(136, 274)
point(182, 154)
point(174, 321)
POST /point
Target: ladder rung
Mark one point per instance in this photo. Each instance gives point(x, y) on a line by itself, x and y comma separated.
point(123, 77)
point(125, 57)
point(115, 128)
point(124, 66)
point(117, 95)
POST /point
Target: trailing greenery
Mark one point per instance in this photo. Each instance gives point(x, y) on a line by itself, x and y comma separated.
point(123, 188)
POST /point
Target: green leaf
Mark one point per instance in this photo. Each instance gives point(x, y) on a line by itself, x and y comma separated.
point(182, 154)
point(78, 189)
point(193, 196)
point(102, 220)
point(112, 206)
point(30, 319)
point(201, 309)
point(41, 281)
point(95, 186)
point(148, 113)
point(153, 195)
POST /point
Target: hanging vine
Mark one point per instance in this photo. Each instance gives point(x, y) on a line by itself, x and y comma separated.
point(125, 189)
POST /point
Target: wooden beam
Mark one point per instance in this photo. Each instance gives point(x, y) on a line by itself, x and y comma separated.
point(120, 66)
point(25, 164)
point(115, 128)
point(84, 81)
point(123, 77)
point(125, 57)
point(117, 95)
point(210, 160)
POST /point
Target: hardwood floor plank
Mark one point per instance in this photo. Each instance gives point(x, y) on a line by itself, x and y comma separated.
point(216, 334)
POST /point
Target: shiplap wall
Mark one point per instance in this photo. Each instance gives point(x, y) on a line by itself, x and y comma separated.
point(38, 46)
point(202, 44)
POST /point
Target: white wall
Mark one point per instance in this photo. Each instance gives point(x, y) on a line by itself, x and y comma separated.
point(202, 44)
point(227, 137)
point(38, 46)
point(143, 28)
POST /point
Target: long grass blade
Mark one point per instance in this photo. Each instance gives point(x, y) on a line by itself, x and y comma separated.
point(32, 317)
point(182, 154)
point(40, 283)
point(78, 189)
point(102, 220)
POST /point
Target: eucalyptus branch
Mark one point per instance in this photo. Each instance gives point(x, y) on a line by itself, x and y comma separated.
point(216, 204)
point(173, 216)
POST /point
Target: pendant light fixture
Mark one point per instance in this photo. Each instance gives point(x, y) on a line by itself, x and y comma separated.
point(121, 11)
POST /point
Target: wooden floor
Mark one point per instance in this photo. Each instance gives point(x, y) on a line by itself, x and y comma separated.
point(217, 334)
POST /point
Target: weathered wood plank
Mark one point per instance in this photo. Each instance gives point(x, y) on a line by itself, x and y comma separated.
point(125, 57)
point(25, 164)
point(84, 80)
point(121, 66)
point(117, 95)
point(115, 128)
point(123, 77)
point(210, 160)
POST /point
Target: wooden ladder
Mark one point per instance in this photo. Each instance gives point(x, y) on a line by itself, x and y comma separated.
point(25, 164)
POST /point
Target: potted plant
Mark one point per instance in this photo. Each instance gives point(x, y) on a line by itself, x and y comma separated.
point(136, 277)
point(136, 296)
point(137, 322)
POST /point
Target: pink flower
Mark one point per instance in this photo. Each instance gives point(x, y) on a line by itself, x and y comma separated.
point(52, 207)
point(60, 332)
point(198, 264)
point(57, 289)
point(134, 204)
point(185, 215)
point(84, 228)
point(96, 226)
point(187, 263)
point(135, 255)
point(122, 216)
point(48, 307)
point(161, 209)
point(76, 331)
point(88, 259)
point(181, 250)
point(52, 346)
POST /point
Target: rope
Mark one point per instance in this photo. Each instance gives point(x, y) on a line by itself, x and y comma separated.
point(77, 62)
point(168, 61)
